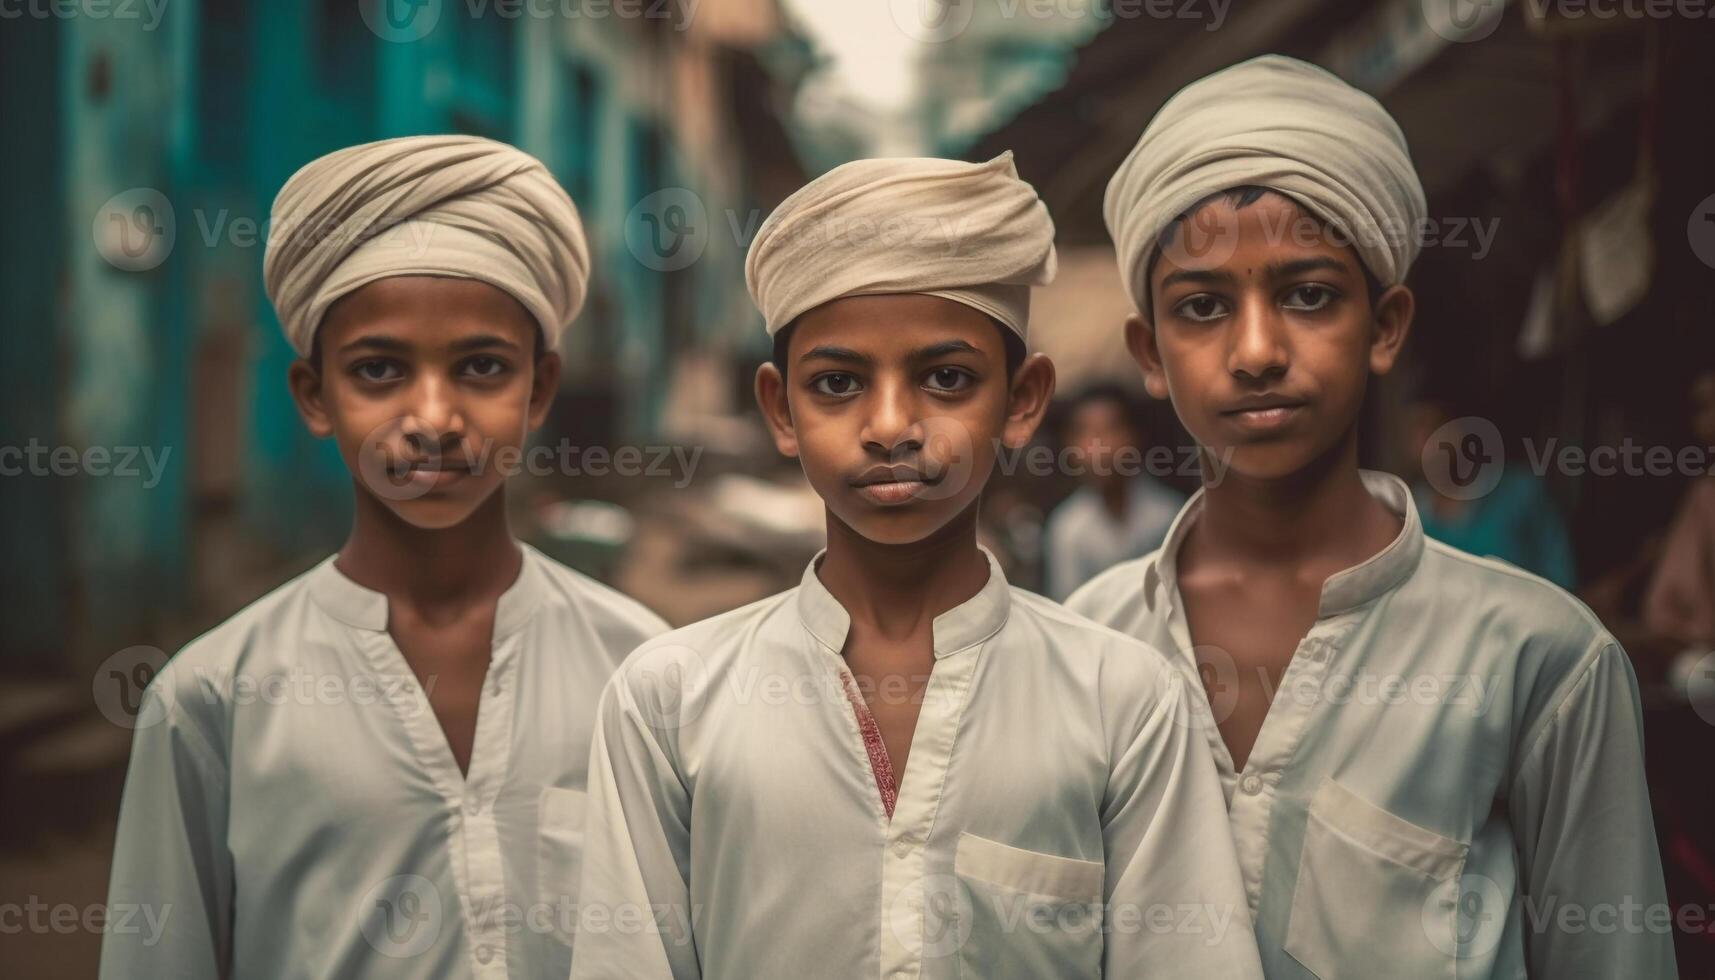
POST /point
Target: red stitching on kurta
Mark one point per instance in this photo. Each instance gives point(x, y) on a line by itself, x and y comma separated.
point(879, 762)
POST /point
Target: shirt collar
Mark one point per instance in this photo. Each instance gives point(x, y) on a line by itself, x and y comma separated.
point(963, 626)
point(366, 609)
point(1346, 590)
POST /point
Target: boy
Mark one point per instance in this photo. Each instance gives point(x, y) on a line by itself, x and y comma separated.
point(407, 801)
point(903, 767)
point(1118, 513)
point(1450, 780)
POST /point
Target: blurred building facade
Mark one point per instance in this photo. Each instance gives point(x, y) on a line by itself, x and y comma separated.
point(1563, 157)
point(149, 152)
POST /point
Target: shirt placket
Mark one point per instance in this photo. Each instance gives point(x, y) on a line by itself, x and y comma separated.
point(906, 820)
point(473, 840)
point(476, 837)
point(1251, 794)
point(1301, 693)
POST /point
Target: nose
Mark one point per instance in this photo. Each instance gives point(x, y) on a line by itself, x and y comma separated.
point(434, 424)
point(892, 427)
point(1258, 342)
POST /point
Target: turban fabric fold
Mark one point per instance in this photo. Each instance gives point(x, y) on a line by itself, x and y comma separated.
point(457, 206)
point(973, 233)
point(1279, 123)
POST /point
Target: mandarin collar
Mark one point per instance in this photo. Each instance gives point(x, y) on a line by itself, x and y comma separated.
point(366, 609)
point(1344, 591)
point(959, 628)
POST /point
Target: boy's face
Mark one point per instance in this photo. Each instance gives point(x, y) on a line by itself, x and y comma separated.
point(429, 386)
point(1266, 352)
point(895, 404)
point(1097, 431)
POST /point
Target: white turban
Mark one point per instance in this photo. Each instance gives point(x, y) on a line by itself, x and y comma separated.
point(969, 232)
point(1279, 123)
point(424, 205)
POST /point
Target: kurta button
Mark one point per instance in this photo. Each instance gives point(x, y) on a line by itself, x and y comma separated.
point(473, 806)
point(484, 954)
point(902, 846)
point(1251, 784)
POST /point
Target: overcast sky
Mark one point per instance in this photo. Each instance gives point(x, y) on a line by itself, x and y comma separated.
point(872, 56)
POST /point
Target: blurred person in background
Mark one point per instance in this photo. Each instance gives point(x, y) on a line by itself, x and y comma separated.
point(1121, 511)
point(1680, 603)
point(1516, 521)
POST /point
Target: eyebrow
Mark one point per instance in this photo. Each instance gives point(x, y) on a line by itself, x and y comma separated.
point(484, 341)
point(941, 349)
point(1274, 270)
point(930, 352)
point(836, 354)
point(393, 345)
point(374, 342)
point(1195, 276)
point(1282, 270)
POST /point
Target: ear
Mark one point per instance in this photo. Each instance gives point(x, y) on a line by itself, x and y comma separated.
point(1140, 340)
point(304, 380)
point(1393, 313)
point(1027, 401)
point(771, 398)
point(544, 385)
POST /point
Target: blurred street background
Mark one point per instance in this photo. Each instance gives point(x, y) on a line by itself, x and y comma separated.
point(1556, 407)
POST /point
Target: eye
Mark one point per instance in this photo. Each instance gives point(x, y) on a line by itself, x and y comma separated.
point(950, 379)
point(1309, 297)
point(834, 383)
point(1201, 308)
point(485, 366)
point(376, 371)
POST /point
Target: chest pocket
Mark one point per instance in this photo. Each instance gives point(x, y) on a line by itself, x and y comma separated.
point(1373, 889)
point(559, 852)
point(1030, 914)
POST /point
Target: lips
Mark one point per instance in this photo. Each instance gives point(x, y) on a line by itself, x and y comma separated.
point(428, 472)
point(889, 485)
point(1264, 413)
point(889, 474)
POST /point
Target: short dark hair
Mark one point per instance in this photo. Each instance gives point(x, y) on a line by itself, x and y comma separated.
point(1131, 408)
point(1014, 347)
point(1240, 197)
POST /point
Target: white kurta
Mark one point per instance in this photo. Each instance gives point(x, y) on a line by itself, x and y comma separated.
point(293, 809)
point(1449, 781)
point(1082, 539)
point(1059, 815)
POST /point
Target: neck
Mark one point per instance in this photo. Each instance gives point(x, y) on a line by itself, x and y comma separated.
point(1320, 512)
point(895, 589)
point(472, 561)
point(1113, 494)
